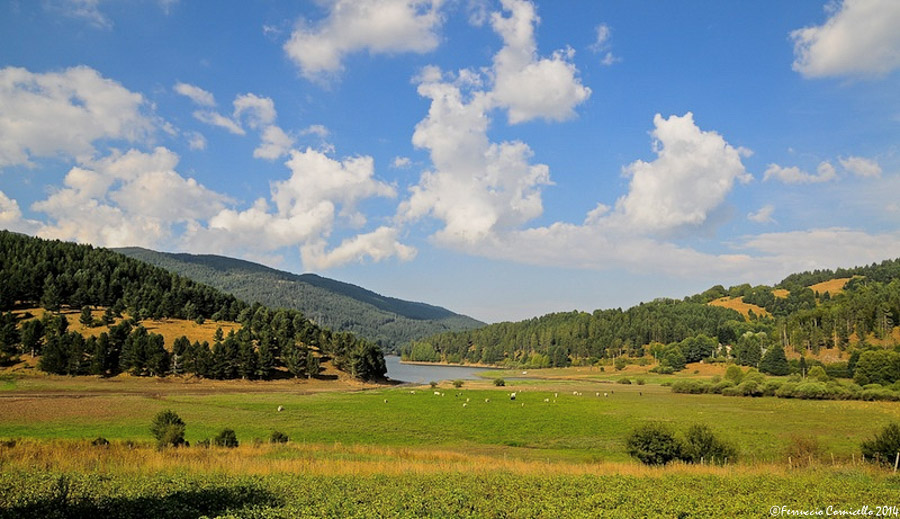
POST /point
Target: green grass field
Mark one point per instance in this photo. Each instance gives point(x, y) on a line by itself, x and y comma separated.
point(583, 427)
point(380, 451)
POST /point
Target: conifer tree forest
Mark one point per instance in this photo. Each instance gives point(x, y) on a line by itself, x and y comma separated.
point(56, 275)
point(859, 321)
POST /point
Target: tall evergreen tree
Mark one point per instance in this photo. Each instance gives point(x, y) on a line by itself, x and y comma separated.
point(774, 362)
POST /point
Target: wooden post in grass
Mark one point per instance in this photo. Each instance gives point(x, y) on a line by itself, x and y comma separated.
point(896, 461)
point(790, 463)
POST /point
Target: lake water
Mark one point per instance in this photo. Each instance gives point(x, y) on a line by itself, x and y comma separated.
point(420, 374)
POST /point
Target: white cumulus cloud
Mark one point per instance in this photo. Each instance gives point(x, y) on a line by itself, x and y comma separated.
point(763, 215)
point(861, 167)
point(64, 114)
point(693, 172)
point(195, 94)
point(825, 172)
point(133, 198)
point(379, 26)
point(379, 245)
point(527, 86)
point(860, 39)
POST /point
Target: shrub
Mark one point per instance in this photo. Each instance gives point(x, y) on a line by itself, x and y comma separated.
point(694, 387)
point(639, 381)
point(278, 437)
point(701, 444)
point(653, 444)
point(100, 441)
point(458, 383)
point(811, 391)
point(226, 438)
point(499, 382)
point(884, 446)
point(620, 364)
point(665, 370)
point(734, 374)
point(818, 374)
point(168, 429)
point(721, 386)
point(750, 387)
point(204, 443)
point(770, 387)
point(433, 384)
point(625, 380)
point(801, 449)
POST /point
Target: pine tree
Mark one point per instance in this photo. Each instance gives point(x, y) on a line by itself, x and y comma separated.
point(774, 361)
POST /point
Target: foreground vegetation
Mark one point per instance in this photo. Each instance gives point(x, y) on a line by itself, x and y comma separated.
point(560, 449)
point(502, 493)
point(546, 421)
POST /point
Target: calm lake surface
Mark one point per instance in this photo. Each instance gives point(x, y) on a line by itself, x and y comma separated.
point(423, 374)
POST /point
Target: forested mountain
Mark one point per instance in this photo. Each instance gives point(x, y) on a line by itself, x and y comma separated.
point(54, 274)
point(859, 317)
point(340, 306)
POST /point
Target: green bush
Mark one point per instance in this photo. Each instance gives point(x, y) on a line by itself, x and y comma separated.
point(226, 438)
point(168, 429)
point(721, 386)
point(458, 383)
point(884, 446)
point(701, 444)
point(691, 386)
point(653, 444)
point(734, 374)
point(499, 382)
point(625, 380)
point(639, 381)
point(100, 441)
point(278, 437)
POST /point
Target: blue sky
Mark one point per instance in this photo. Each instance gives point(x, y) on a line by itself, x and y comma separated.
point(504, 159)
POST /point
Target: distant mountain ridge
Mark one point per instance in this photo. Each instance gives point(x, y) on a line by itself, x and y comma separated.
point(337, 305)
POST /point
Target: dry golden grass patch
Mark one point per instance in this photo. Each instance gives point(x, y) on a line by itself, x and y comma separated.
point(832, 286)
point(737, 303)
point(171, 329)
point(330, 460)
point(781, 293)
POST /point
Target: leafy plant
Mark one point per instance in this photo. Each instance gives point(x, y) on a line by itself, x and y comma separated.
point(701, 444)
point(168, 429)
point(654, 444)
point(226, 438)
point(885, 446)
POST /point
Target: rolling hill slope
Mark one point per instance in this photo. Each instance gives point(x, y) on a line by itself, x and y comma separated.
point(330, 303)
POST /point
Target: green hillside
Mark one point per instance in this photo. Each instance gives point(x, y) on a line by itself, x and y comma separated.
point(839, 329)
point(388, 321)
point(56, 275)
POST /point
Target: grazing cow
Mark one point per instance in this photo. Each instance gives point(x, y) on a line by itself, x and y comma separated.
point(512, 396)
point(280, 408)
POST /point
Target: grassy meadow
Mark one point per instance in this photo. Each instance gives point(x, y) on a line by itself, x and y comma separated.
point(356, 450)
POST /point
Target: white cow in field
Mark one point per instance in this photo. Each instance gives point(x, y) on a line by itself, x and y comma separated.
point(512, 396)
point(280, 408)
